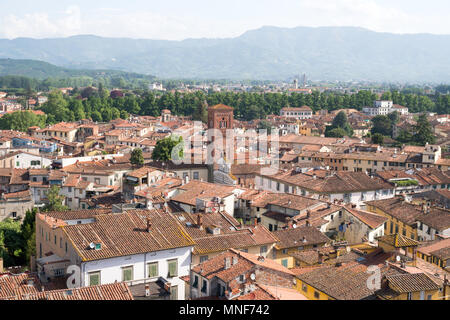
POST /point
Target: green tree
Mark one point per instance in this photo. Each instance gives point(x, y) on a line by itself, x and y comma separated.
point(378, 138)
point(164, 147)
point(336, 133)
point(423, 131)
point(55, 200)
point(28, 230)
point(339, 122)
point(11, 242)
point(265, 125)
point(382, 124)
point(137, 158)
point(21, 121)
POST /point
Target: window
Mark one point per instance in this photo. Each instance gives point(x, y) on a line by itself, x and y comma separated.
point(409, 295)
point(59, 272)
point(174, 293)
point(173, 268)
point(285, 251)
point(241, 278)
point(316, 295)
point(270, 227)
point(196, 175)
point(153, 270)
point(127, 273)
point(204, 286)
point(94, 278)
point(203, 259)
point(263, 250)
point(69, 189)
point(60, 242)
point(304, 287)
point(195, 283)
point(14, 214)
point(422, 295)
point(66, 247)
point(284, 263)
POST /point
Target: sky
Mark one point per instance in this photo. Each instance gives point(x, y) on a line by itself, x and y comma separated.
point(181, 19)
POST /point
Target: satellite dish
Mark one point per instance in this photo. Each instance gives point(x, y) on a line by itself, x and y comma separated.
point(253, 277)
point(398, 259)
point(92, 245)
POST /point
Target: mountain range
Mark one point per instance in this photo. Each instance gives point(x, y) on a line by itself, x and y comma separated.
point(41, 70)
point(268, 53)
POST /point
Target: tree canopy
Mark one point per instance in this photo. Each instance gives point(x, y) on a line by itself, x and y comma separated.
point(21, 121)
point(339, 127)
point(137, 158)
point(164, 147)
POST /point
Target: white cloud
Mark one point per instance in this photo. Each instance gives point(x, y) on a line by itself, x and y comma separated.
point(39, 25)
point(176, 25)
point(362, 13)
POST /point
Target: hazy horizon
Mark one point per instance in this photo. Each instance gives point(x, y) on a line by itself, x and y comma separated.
point(221, 38)
point(180, 20)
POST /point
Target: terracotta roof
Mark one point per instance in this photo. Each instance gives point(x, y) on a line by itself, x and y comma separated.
point(77, 214)
point(412, 282)
point(398, 240)
point(298, 237)
point(439, 248)
point(371, 219)
point(425, 176)
point(114, 291)
point(18, 195)
point(337, 182)
point(258, 294)
point(198, 189)
point(220, 107)
point(438, 219)
point(348, 282)
point(281, 293)
point(303, 108)
point(215, 267)
point(141, 172)
point(20, 176)
point(13, 285)
point(231, 234)
point(75, 181)
point(398, 208)
point(125, 234)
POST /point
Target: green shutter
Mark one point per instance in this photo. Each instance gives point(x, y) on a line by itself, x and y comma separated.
point(153, 270)
point(127, 274)
point(94, 279)
point(173, 268)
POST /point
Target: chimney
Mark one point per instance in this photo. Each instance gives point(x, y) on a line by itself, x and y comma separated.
point(227, 263)
point(304, 240)
point(256, 221)
point(290, 223)
point(308, 214)
point(314, 176)
point(1, 265)
point(147, 290)
point(200, 221)
point(320, 260)
point(235, 261)
point(149, 225)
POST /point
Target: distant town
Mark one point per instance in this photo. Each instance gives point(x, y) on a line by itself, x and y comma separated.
point(231, 191)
